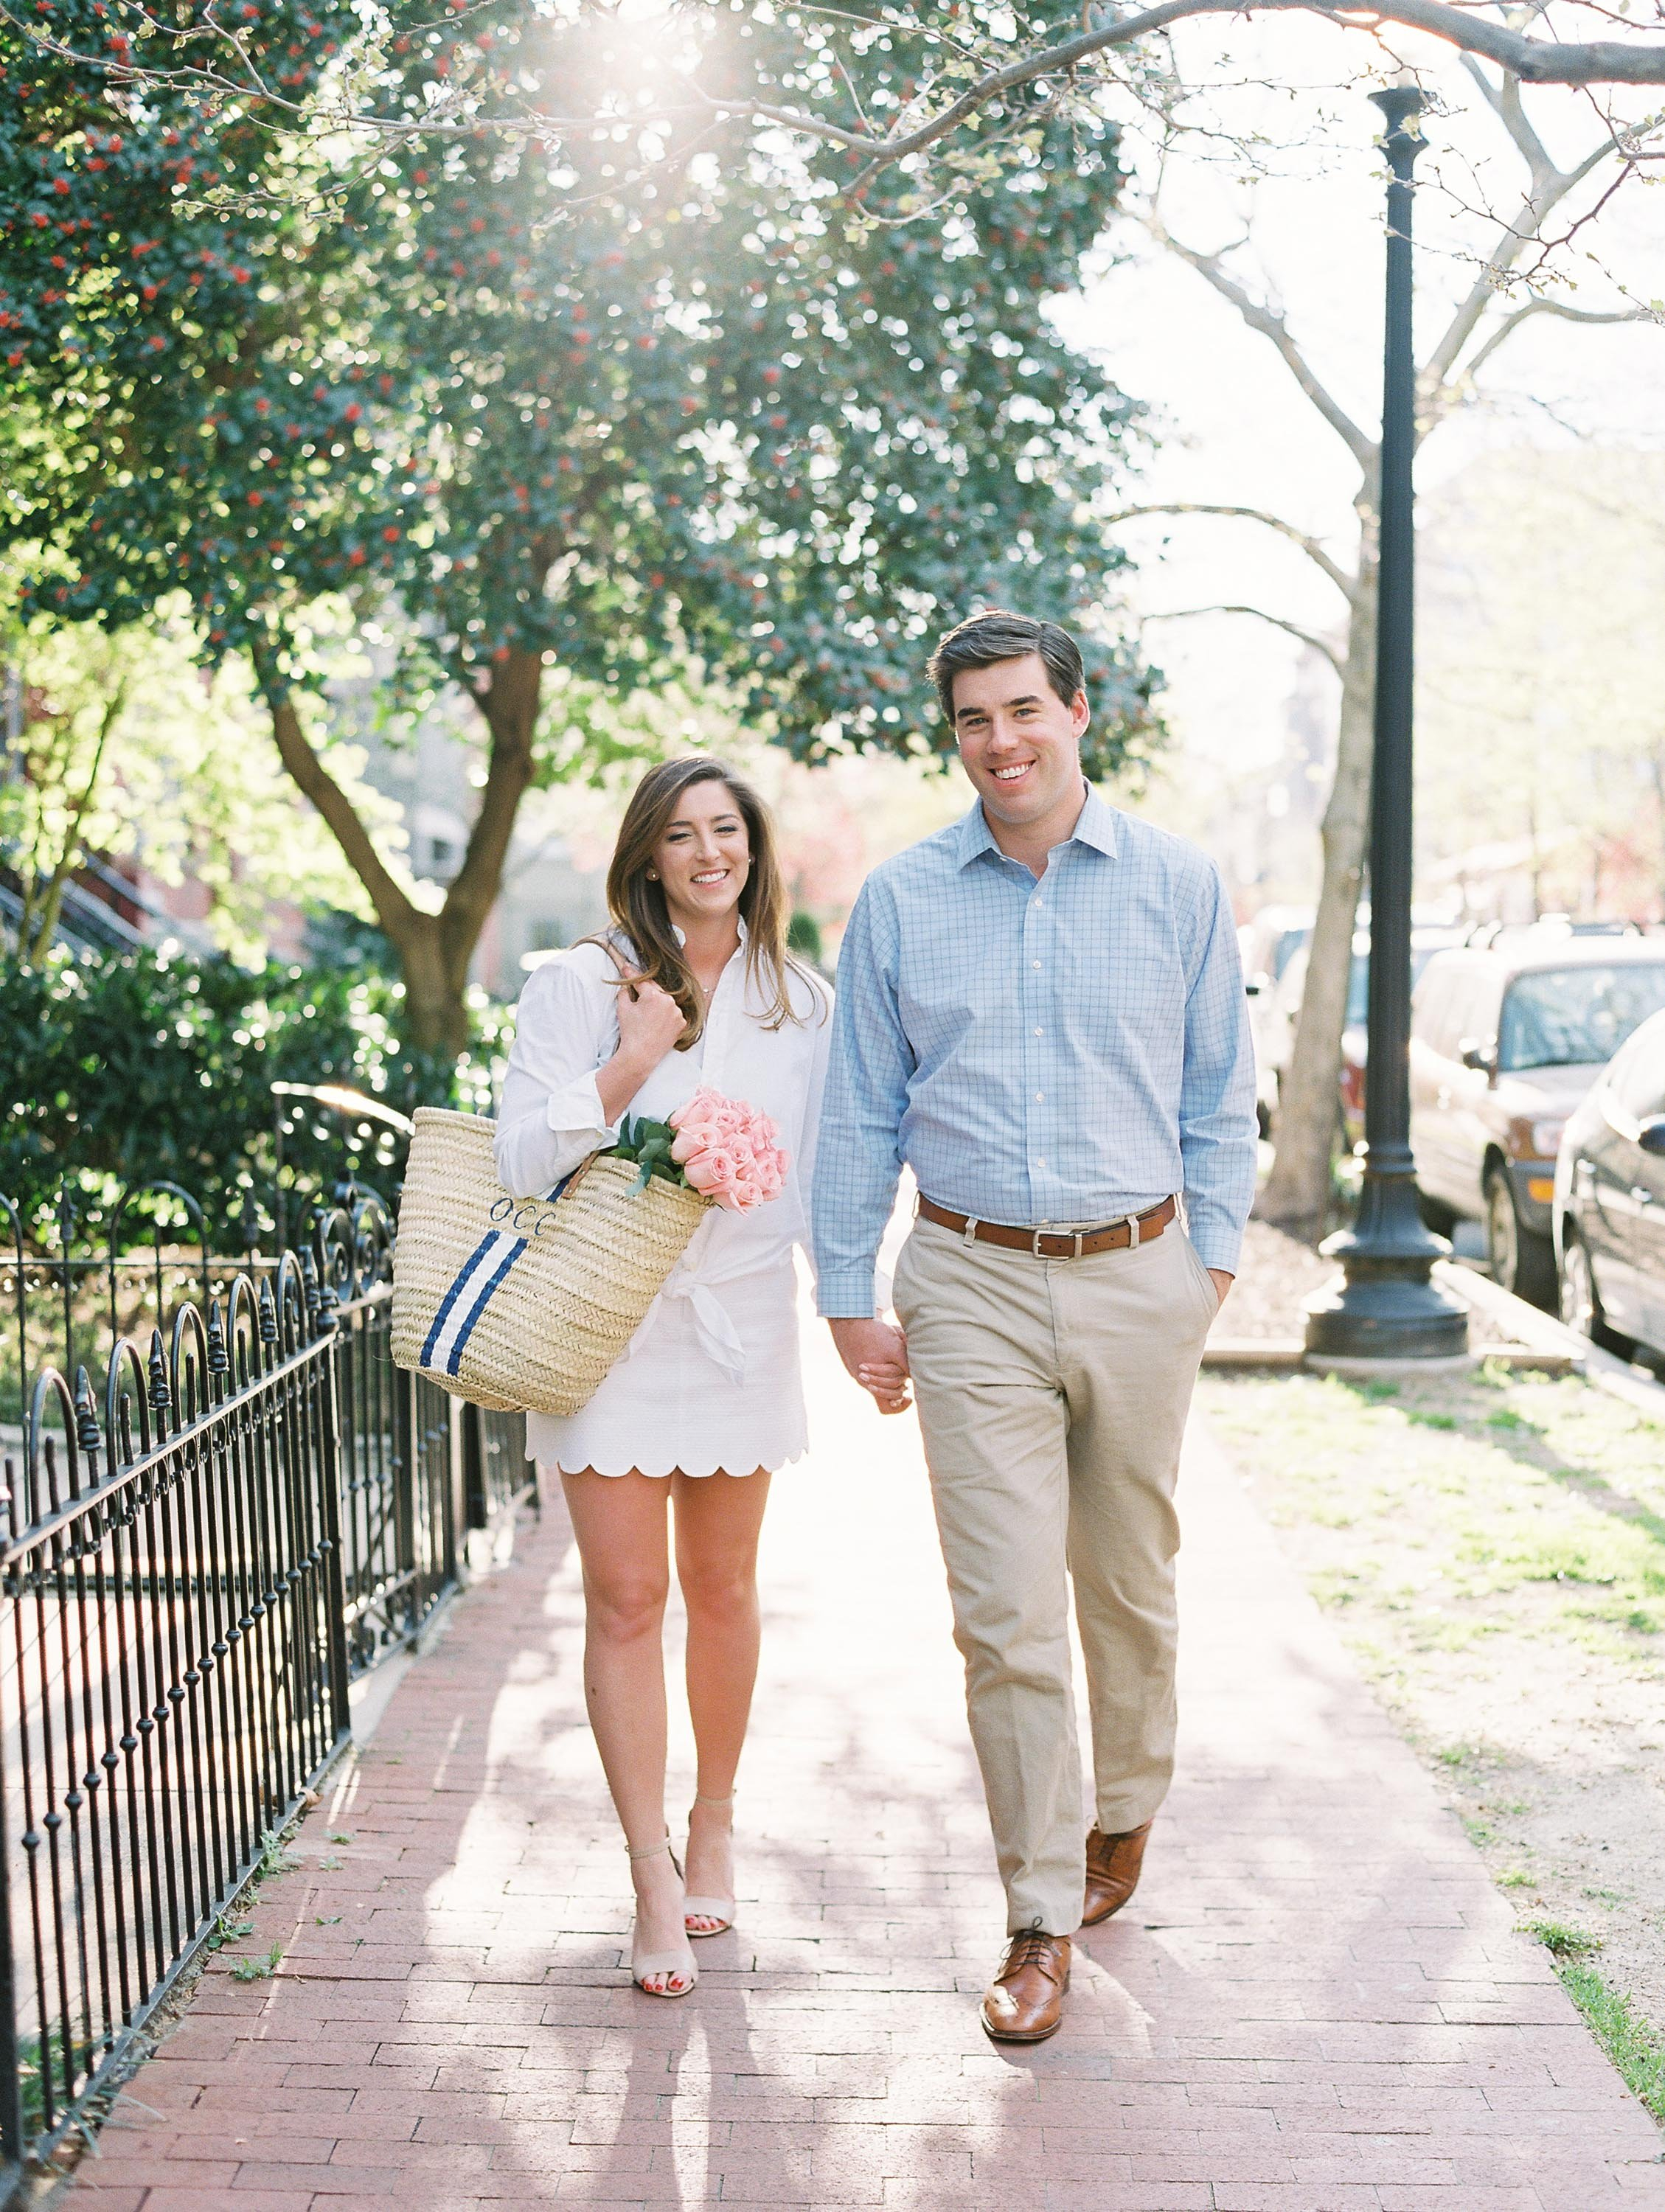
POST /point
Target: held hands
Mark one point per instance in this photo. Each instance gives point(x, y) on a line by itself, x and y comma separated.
point(875, 1355)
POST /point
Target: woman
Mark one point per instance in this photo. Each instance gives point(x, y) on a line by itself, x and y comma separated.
point(691, 986)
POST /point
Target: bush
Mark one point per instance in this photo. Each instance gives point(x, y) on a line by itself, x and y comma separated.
point(135, 1068)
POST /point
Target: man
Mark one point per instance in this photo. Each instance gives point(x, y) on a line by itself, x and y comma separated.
point(1041, 1012)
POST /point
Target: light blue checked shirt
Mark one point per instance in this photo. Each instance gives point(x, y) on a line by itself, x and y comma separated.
point(1065, 1050)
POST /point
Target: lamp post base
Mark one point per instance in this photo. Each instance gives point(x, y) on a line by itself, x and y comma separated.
point(1384, 1304)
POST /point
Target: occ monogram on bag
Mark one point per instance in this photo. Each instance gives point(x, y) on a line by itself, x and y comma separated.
point(527, 1218)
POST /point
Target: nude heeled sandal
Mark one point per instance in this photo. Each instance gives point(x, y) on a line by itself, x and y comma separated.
point(719, 1909)
point(646, 1963)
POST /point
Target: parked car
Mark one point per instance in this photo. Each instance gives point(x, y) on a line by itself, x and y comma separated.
point(1505, 1044)
point(1267, 944)
point(1425, 941)
point(1609, 1203)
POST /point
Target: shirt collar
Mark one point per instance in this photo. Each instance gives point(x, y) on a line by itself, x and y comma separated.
point(1096, 826)
point(681, 935)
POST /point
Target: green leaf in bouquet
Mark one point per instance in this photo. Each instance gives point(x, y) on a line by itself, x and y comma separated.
point(648, 1144)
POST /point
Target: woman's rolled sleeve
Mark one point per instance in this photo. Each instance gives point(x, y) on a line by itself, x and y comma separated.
point(537, 1151)
point(552, 1114)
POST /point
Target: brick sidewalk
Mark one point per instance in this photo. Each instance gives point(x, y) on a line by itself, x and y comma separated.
point(1314, 2001)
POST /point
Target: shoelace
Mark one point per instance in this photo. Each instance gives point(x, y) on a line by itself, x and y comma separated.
point(1031, 1947)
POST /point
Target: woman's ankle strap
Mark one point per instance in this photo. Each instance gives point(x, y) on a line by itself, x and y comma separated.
point(649, 1850)
point(701, 1799)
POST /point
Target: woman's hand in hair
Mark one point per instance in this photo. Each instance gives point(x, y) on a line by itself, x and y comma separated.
point(650, 1022)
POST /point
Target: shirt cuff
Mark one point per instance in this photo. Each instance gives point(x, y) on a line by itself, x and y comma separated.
point(576, 1111)
point(1216, 1244)
point(846, 1293)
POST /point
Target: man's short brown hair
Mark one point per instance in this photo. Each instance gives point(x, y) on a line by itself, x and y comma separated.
point(997, 635)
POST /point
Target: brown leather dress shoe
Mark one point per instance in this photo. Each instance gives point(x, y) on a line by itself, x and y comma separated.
point(1113, 1866)
point(1025, 2000)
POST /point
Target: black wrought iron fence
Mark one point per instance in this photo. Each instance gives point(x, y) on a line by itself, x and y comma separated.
point(195, 1565)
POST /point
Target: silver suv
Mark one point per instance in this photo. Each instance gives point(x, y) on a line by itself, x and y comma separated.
point(1504, 1043)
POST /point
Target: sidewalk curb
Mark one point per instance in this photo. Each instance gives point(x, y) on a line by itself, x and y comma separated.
point(1542, 1332)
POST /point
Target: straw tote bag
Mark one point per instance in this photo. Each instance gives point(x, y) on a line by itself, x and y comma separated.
point(523, 1305)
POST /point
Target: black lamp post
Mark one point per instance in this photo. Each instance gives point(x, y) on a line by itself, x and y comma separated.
point(1385, 1305)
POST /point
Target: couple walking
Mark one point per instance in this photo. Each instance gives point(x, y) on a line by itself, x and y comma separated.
point(1040, 1013)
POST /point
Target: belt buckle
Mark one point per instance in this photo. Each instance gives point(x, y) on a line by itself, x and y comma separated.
point(1074, 1236)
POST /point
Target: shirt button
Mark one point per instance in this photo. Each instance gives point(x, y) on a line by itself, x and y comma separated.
point(1040, 1032)
point(1039, 1096)
point(1039, 1160)
point(1034, 964)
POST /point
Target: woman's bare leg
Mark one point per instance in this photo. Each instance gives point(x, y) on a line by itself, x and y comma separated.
point(619, 1522)
point(719, 1519)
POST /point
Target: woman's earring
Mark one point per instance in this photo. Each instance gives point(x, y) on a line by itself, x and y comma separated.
point(653, 875)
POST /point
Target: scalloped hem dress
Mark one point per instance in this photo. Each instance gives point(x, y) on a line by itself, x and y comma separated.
point(710, 1382)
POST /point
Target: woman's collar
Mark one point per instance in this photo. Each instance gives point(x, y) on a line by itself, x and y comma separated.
point(681, 935)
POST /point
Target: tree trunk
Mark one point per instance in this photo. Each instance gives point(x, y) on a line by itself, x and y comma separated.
point(509, 707)
point(436, 1011)
point(435, 950)
point(1296, 1193)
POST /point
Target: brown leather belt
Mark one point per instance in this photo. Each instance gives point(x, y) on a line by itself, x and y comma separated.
point(1055, 1243)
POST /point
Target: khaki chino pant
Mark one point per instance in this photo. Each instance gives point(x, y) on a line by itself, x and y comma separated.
point(1053, 1396)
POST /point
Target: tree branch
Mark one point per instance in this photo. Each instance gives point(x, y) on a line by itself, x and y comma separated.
point(1279, 621)
point(1532, 60)
point(1549, 186)
point(395, 910)
point(1503, 99)
point(1315, 552)
point(1559, 307)
point(43, 903)
point(1535, 61)
point(510, 708)
point(1271, 325)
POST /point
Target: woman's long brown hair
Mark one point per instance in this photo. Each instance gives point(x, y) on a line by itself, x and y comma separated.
point(637, 905)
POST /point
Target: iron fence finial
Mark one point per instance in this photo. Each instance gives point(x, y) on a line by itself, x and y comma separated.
point(88, 1435)
point(160, 1391)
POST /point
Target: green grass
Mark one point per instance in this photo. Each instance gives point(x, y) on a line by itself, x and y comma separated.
point(276, 1857)
point(1539, 1505)
point(1635, 2048)
point(70, 2063)
point(1491, 1546)
point(229, 1931)
point(260, 1969)
point(1560, 1941)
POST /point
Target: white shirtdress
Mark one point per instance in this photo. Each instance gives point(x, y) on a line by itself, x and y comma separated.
point(711, 1378)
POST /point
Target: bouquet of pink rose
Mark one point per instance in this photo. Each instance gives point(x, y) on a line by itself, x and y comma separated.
point(727, 1151)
